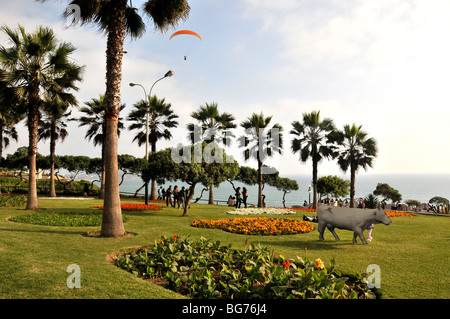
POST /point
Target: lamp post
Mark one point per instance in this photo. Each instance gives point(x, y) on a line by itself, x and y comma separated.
point(309, 193)
point(147, 98)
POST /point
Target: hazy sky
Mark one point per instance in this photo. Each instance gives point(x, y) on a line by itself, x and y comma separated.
point(382, 64)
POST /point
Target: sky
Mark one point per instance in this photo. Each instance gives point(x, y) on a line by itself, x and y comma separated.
point(381, 64)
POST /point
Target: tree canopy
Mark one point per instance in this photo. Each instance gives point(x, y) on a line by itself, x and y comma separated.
point(387, 192)
point(197, 164)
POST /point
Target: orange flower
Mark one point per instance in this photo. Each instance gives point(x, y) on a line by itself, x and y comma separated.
point(257, 225)
point(319, 264)
point(286, 264)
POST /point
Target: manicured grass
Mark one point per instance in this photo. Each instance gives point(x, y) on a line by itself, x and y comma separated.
point(412, 252)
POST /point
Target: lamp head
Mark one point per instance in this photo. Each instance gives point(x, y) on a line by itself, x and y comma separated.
point(169, 73)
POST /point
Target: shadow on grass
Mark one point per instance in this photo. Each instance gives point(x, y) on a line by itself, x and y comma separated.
point(315, 244)
point(45, 231)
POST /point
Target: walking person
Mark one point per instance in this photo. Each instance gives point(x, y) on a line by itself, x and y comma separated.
point(369, 231)
point(175, 196)
point(169, 196)
point(238, 197)
point(244, 196)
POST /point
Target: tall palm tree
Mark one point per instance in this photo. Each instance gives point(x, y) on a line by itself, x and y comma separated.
point(95, 119)
point(37, 64)
point(260, 142)
point(53, 126)
point(9, 115)
point(211, 122)
point(314, 140)
point(162, 119)
point(357, 150)
point(116, 18)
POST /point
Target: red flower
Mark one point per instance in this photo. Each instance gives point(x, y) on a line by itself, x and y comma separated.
point(175, 237)
point(286, 264)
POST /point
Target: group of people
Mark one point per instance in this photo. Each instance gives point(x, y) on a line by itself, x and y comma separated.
point(175, 196)
point(239, 198)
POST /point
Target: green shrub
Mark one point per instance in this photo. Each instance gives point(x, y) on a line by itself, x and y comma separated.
point(204, 269)
point(10, 200)
point(62, 218)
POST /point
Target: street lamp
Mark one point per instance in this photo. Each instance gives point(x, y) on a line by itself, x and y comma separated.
point(168, 74)
point(309, 193)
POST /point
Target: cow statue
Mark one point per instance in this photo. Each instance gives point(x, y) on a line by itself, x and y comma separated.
point(355, 219)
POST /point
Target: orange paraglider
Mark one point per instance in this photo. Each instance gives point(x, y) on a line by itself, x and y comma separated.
point(189, 32)
point(186, 32)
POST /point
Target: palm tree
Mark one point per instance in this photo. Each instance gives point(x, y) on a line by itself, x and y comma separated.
point(314, 140)
point(34, 65)
point(116, 18)
point(95, 120)
point(356, 151)
point(162, 119)
point(9, 116)
point(53, 127)
point(211, 123)
point(261, 142)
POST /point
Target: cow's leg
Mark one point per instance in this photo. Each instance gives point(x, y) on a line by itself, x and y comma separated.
point(354, 238)
point(360, 234)
point(321, 229)
point(331, 229)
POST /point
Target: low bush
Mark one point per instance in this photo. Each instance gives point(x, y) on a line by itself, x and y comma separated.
point(203, 269)
point(9, 200)
point(62, 218)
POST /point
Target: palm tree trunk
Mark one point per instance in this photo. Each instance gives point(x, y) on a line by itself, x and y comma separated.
point(352, 185)
point(260, 183)
point(52, 159)
point(314, 183)
point(33, 118)
point(112, 225)
point(153, 188)
point(1, 145)
point(102, 180)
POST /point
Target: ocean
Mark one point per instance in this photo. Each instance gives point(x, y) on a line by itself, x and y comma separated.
point(421, 187)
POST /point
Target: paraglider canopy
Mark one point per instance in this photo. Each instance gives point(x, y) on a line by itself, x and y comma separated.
point(186, 32)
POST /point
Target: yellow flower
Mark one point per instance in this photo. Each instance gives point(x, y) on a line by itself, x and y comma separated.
point(319, 264)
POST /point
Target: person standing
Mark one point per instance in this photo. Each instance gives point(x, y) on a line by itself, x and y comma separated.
point(160, 190)
point(238, 197)
point(244, 196)
point(175, 196)
point(169, 196)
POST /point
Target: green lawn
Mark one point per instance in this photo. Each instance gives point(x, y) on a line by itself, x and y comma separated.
point(412, 252)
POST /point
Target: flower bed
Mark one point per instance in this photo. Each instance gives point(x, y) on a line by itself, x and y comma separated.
point(257, 225)
point(269, 211)
point(203, 269)
point(135, 207)
point(257, 211)
point(394, 213)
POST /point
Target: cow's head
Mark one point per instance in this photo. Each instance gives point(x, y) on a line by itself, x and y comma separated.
point(381, 217)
